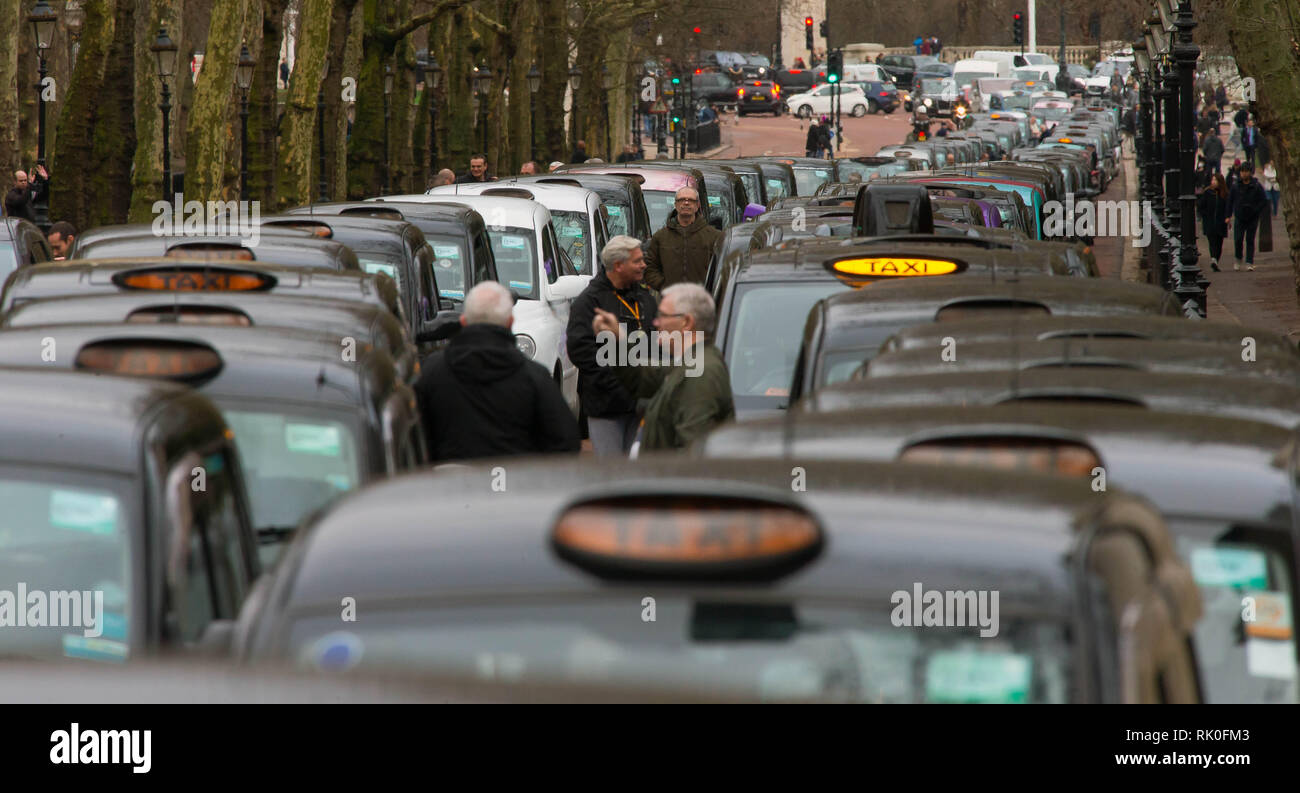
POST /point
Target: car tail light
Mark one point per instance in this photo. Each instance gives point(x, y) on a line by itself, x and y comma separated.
point(740, 92)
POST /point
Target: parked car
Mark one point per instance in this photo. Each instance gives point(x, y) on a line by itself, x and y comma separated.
point(818, 101)
point(880, 95)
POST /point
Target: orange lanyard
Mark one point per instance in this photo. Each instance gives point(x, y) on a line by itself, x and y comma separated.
point(634, 309)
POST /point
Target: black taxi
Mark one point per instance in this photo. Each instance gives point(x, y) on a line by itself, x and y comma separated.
point(1226, 487)
point(314, 415)
point(719, 578)
point(136, 502)
point(365, 322)
point(21, 244)
point(462, 250)
point(283, 247)
point(763, 297)
point(1090, 352)
point(1204, 394)
point(82, 278)
point(845, 330)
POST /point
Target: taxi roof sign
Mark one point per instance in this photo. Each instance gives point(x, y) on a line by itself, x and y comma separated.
point(194, 279)
point(894, 266)
point(687, 537)
point(1027, 453)
point(163, 358)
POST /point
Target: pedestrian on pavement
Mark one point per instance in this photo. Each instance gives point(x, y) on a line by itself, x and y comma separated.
point(61, 237)
point(935, 46)
point(445, 176)
point(1204, 123)
point(693, 395)
point(1247, 202)
point(708, 114)
point(799, 64)
point(480, 397)
point(813, 143)
point(629, 154)
point(284, 74)
point(611, 409)
point(926, 47)
point(528, 169)
point(826, 136)
point(21, 198)
point(1239, 122)
point(1249, 141)
point(681, 250)
point(1221, 98)
point(1212, 207)
point(579, 152)
point(477, 171)
point(1234, 174)
point(1269, 181)
point(1212, 151)
point(917, 43)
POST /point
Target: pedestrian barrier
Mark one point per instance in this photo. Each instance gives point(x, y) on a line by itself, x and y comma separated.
point(704, 137)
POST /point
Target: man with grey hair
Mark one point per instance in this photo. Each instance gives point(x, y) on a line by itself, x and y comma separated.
point(480, 397)
point(445, 176)
point(682, 249)
point(691, 395)
point(611, 411)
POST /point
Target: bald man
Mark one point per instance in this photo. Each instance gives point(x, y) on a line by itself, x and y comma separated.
point(25, 193)
point(480, 397)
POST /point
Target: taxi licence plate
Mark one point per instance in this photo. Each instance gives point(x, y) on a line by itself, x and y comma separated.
point(757, 97)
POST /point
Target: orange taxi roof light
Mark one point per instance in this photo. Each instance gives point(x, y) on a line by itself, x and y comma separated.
point(708, 535)
point(1037, 455)
point(165, 359)
point(194, 279)
point(200, 250)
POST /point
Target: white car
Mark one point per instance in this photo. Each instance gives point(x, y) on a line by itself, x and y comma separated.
point(817, 101)
point(576, 215)
point(532, 264)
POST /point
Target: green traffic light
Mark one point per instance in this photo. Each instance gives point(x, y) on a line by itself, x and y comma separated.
point(677, 80)
point(832, 78)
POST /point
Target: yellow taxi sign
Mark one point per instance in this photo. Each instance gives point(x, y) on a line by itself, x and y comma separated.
point(166, 359)
point(705, 536)
point(894, 266)
point(1065, 140)
point(194, 279)
point(1037, 455)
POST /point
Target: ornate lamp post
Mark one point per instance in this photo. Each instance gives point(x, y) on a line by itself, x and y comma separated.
point(1189, 282)
point(534, 85)
point(320, 129)
point(482, 79)
point(43, 20)
point(607, 82)
point(164, 50)
point(244, 79)
point(434, 79)
point(388, 93)
point(74, 16)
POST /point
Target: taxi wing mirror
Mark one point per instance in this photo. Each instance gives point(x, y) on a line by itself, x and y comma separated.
point(568, 287)
point(443, 326)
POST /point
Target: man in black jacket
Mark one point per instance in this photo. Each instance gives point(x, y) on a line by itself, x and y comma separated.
point(610, 408)
point(480, 397)
point(26, 192)
point(1247, 202)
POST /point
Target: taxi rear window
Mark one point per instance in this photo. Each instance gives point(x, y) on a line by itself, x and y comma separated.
point(659, 204)
point(516, 256)
point(390, 266)
point(450, 261)
point(292, 464)
point(768, 651)
point(65, 540)
point(765, 336)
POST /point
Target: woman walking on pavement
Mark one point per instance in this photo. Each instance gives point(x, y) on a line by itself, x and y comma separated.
point(1212, 206)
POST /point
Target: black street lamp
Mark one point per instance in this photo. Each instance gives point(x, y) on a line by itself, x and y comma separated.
point(607, 82)
point(74, 16)
point(434, 78)
point(482, 81)
point(388, 93)
point(636, 114)
point(1189, 282)
point(43, 20)
point(164, 51)
point(244, 79)
point(320, 128)
point(534, 85)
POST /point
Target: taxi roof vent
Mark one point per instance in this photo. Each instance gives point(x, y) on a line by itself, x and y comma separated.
point(892, 209)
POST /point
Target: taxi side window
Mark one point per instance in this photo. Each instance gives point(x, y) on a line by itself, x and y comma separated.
point(428, 282)
point(221, 519)
point(551, 255)
point(482, 258)
point(191, 599)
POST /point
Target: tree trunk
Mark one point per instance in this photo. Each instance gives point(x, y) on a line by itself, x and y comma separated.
point(554, 64)
point(263, 107)
point(208, 126)
point(146, 173)
point(1265, 46)
point(351, 68)
point(366, 148)
point(10, 88)
point(298, 166)
point(72, 170)
point(339, 29)
point(27, 92)
point(519, 49)
point(400, 162)
point(108, 196)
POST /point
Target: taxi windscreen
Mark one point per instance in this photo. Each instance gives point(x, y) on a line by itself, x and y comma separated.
point(572, 229)
point(450, 264)
point(1245, 642)
point(767, 651)
point(516, 256)
point(620, 218)
point(763, 341)
point(65, 541)
point(659, 203)
point(807, 180)
point(292, 463)
point(775, 188)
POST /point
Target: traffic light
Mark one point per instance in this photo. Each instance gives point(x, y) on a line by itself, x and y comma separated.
point(696, 30)
point(1018, 28)
point(823, 29)
point(834, 66)
point(807, 30)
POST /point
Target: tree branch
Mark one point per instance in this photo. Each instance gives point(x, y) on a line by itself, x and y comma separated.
point(489, 22)
point(391, 37)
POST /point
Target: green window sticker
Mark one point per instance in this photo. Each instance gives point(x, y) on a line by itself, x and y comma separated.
point(978, 677)
point(320, 439)
point(1230, 567)
point(80, 511)
point(379, 267)
point(715, 201)
point(614, 211)
point(511, 241)
point(446, 252)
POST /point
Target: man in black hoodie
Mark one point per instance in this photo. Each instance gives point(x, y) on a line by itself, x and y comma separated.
point(480, 397)
point(611, 409)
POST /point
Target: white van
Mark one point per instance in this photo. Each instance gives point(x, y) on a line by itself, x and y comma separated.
point(1007, 61)
point(966, 72)
point(866, 73)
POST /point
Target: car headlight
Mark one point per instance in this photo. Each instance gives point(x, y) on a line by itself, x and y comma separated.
point(525, 344)
point(928, 103)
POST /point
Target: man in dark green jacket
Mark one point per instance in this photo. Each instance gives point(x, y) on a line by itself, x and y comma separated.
point(677, 368)
point(681, 250)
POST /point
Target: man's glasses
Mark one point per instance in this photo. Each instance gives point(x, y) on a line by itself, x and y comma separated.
point(688, 200)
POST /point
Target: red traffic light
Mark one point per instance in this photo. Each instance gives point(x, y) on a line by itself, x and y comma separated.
point(1017, 17)
point(695, 29)
point(807, 21)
